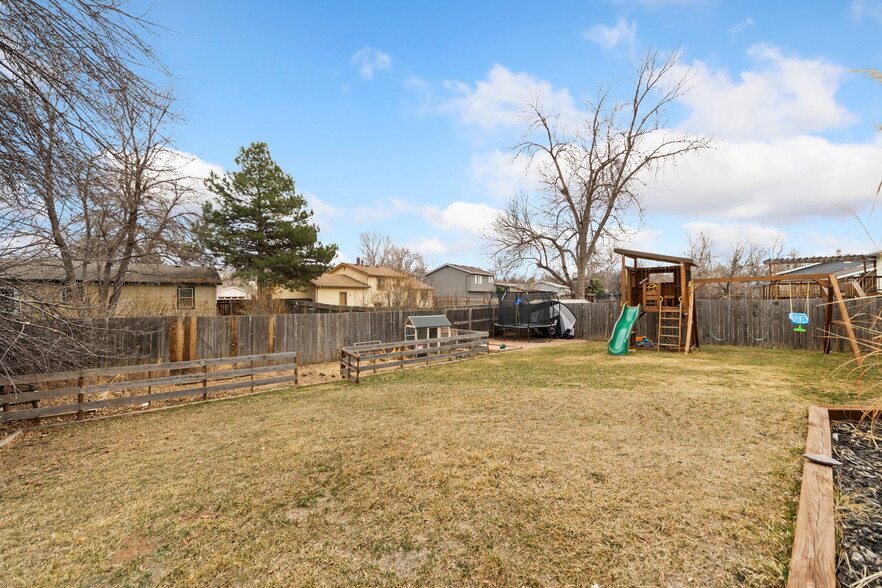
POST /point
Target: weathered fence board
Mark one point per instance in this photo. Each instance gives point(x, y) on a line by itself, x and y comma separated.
point(81, 390)
point(376, 356)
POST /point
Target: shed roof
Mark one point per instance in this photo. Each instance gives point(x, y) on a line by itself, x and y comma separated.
point(653, 256)
point(430, 321)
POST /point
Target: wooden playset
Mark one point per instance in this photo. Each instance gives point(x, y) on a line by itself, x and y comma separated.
point(660, 290)
point(668, 291)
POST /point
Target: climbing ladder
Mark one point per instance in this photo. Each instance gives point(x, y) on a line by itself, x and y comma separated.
point(670, 329)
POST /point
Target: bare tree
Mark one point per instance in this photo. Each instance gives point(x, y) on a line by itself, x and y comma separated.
point(378, 249)
point(82, 182)
point(591, 178)
point(743, 256)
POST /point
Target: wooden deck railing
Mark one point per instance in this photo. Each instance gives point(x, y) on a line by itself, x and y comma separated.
point(73, 384)
point(377, 356)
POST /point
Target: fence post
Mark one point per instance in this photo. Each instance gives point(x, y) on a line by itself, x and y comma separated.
point(204, 382)
point(271, 335)
point(191, 351)
point(234, 336)
point(173, 340)
point(80, 398)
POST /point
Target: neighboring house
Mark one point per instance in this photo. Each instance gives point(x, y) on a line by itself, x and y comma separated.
point(511, 287)
point(349, 284)
point(233, 293)
point(462, 284)
point(547, 286)
point(233, 299)
point(147, 289)
point(859, 275)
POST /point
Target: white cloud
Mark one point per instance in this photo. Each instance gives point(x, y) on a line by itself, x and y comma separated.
point(369, 60)
point(827, 244)
point(736, 28)
point(872, 9)
point(783, 180)
point(496, 174)
point(430, 247)
point(383, 211)
point(640, 239)
point(324, 215)
point(785, 96)
point(473, 218)
point(623, 33)
point(193, 171)
point(499, 100)
point(724, 235)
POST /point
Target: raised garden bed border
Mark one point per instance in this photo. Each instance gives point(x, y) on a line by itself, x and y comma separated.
point(813, 559)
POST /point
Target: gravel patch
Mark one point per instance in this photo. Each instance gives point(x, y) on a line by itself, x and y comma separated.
point(859, 511)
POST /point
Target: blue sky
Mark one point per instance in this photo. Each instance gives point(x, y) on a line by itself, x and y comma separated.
point(399, 116)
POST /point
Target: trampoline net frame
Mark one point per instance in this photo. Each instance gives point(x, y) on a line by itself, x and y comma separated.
point(524, 310)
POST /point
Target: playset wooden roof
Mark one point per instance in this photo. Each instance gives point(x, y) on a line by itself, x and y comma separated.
point(654, 256)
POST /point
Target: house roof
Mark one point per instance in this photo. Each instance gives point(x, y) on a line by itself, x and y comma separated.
point(338, 281)
point(829, 267)
point(822, 259)
point(232, 291)
point(465, 268)
point(422, 322)
point(653, 256)
point(52, 270)
point(553, 284)
point(373, 270)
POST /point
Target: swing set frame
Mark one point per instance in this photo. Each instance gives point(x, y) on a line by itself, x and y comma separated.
point(828, 282)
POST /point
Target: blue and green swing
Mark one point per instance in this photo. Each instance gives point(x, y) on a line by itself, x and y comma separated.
point(799, 318)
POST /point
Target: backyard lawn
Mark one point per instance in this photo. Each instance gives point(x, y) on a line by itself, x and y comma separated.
point(557, 467)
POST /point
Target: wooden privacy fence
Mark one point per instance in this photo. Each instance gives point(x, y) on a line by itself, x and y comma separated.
point(745, 322)
point(377, 356)
point(318, 338)
point(74, 387)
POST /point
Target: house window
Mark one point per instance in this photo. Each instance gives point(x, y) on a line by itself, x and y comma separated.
point(479, 279)
point(8, 301)
point(343, 299)
point(490, 280)
point(381, 283)
point(186, 297)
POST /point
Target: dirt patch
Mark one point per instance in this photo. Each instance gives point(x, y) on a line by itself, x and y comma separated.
point(132, 546)
point(522, 343)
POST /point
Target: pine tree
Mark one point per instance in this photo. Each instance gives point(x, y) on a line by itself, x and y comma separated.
point(261, 226)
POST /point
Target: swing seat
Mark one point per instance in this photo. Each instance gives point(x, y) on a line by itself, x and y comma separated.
point(799, 318)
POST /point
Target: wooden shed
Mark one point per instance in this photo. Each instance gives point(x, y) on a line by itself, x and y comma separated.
point(427, 327)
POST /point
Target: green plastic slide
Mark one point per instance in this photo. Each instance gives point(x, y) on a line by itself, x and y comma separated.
point(618, 343)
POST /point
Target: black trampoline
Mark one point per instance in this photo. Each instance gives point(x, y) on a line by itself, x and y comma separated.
point(526, 311)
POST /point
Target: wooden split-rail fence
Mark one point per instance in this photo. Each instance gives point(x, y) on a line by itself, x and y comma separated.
point(374, 356)
point(88, 390)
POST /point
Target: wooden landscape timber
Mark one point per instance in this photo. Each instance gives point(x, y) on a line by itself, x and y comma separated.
point(257, 365)
point(813, 559)
point(360, 358)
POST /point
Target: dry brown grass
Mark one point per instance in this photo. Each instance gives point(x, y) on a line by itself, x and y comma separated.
point(557, 467)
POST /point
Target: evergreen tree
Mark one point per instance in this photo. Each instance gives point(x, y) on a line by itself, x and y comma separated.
point(261, 226)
